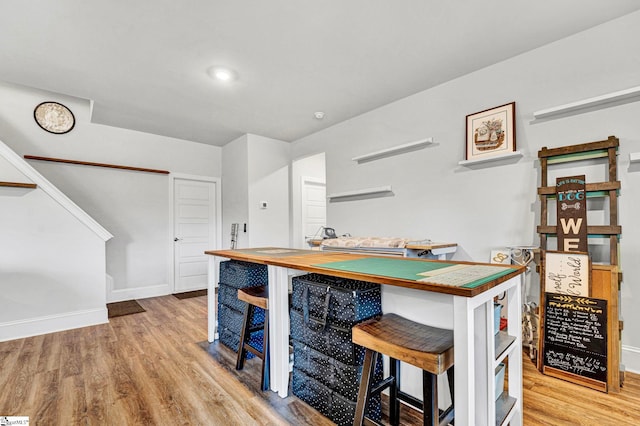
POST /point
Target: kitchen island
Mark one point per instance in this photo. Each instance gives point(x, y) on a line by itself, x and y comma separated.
point(454, 295)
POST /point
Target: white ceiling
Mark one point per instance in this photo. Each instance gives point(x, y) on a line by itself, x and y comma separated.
point(144, 62)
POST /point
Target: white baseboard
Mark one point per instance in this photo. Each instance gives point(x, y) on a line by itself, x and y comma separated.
point(631, 359)
point(136, 293)
point(52, 323)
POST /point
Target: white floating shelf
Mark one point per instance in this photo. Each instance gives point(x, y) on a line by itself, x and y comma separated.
point(489, 159)
point(634, 157)
point(360, 192)
point(407, 147)
point(588, 103)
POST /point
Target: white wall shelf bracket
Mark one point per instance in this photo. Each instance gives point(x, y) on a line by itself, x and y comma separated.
point(380, 191)
point(490, 159)
point(597, 101)
point(396, 150)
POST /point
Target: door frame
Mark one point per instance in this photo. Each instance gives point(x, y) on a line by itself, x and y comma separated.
point(171, 231)
point(303, 182)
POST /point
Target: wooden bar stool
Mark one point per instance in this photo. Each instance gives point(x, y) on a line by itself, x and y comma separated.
point(425, 347)
point(255, 297)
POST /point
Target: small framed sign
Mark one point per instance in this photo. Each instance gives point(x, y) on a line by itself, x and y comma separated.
point(567, 273)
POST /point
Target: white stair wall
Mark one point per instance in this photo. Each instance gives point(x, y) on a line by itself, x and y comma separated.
point(52, 257)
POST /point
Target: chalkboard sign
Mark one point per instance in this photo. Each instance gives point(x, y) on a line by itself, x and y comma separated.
point(575, 338)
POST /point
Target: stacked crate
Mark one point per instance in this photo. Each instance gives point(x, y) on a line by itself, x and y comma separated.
point(234, 275)
point(327, 365)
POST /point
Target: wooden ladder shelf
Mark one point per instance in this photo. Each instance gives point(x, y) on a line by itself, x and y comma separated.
point(606, 279)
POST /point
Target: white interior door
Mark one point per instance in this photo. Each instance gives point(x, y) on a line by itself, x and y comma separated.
point(194, 232)
point(314, 207)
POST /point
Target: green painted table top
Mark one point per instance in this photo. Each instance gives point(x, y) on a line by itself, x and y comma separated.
point(453, 274)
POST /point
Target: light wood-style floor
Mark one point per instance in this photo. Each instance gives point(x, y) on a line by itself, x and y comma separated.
point(156, 368)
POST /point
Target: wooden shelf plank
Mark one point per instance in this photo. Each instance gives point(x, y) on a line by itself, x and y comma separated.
point(591, 230)
point(502, 342)
point(88, 163)
point(611, 142)
point(590, 187)
point(19, 185)
point(504, 406)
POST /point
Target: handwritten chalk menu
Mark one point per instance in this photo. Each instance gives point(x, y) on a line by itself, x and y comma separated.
point(575, 336)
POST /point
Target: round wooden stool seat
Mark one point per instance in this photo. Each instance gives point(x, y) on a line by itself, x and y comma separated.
point(428, 348)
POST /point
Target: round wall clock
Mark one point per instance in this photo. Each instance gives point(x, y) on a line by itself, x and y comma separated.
point(54, 117)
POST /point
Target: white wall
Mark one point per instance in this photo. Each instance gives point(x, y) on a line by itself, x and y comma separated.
point(256, 169)
point(133, 206)
point(493, 205)
point(52, 266)
point(235, 196)
point(268, 167)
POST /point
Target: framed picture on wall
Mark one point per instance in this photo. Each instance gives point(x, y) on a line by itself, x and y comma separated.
point(491, 132)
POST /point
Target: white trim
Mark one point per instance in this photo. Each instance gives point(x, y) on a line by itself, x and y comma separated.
point(301, 237)
point(52, 323)
point(312, 179)
point(218, 213)
point(631, 359)
point(46, 186)
point(138, 293)
point(194, 177)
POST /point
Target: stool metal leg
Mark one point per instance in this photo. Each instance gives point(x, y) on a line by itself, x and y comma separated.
point(394, 402)
point(265, 353)
point(450, 379)
point(366, 383)
point(246, 324)
point(430, 399)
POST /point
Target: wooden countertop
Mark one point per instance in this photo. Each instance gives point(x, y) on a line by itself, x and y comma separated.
point(312, 261)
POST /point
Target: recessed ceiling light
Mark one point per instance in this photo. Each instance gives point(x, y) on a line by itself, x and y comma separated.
point(319, 115)
point(222, 74)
